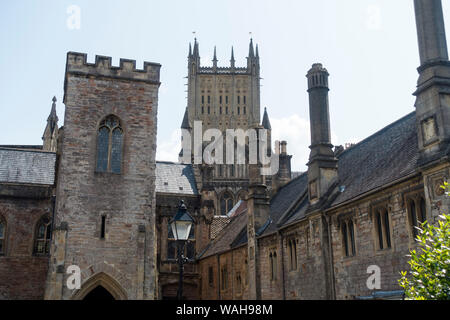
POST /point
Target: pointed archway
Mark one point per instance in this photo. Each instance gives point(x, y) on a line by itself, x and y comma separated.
point(100, 287)
point(99, 293)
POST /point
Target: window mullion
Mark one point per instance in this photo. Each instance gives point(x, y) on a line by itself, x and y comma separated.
point(109, 149)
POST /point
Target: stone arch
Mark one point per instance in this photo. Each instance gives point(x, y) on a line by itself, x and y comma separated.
point(104, 280)
point(225, 195)
point(242, 195)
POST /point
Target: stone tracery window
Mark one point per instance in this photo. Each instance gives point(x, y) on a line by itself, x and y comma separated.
point(273, 263)
point(292, 246)
point(382, 228)
point(109, 145)
point(2, 236)
point(43, 236)
point(417, 213)
point(226, 204)
point(348, 238)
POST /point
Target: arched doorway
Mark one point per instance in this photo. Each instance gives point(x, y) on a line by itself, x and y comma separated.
point(99, 293)
point(100, 287)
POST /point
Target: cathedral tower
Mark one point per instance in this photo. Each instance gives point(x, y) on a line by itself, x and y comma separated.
point(222, 98)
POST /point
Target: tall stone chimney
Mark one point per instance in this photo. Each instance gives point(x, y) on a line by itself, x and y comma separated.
point(284, 173)
point(322, 165)
point(433, 87)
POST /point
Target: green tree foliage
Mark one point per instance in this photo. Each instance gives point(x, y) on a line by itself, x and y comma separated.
point(429, 277)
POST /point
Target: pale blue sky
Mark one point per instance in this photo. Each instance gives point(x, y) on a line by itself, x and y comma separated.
point(368, 46)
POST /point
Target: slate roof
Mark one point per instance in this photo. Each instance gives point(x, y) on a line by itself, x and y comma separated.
point(175, 178)
point(285, 198)
point(230, 235)
point(27, 166)
point(383, 158)
point(217, 225)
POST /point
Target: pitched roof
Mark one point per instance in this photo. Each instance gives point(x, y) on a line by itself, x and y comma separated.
point(385, 157)
point(226, 239)
point(380, 159)
point(175, 178)
point(27, 166)
point(284, 199)
point(217, 225)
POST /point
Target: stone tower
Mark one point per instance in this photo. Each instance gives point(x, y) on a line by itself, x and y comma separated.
point(221, 98)
point(105, 209)
point(322, 165)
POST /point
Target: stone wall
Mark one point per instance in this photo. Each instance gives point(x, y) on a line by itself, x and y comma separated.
point(127, 253)
point(22, 274)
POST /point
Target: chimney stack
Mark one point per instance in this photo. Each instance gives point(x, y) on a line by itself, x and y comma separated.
point(322, 165)
point(433, 87)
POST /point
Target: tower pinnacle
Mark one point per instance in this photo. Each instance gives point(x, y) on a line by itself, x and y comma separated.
point(251, 53)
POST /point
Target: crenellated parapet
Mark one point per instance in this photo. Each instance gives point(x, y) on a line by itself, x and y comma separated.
point(77, 64)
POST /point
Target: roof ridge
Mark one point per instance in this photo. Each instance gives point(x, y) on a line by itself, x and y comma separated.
point(377, 133)
point(290, 182)
point(170, 162)
point(27, 150)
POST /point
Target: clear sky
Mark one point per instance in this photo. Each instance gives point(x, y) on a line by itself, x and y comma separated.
point(368, 46)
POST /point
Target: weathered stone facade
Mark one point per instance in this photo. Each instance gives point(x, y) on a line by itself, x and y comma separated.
point(23, 272)
point(121, 203)
point(107, 206)
point(355, 209)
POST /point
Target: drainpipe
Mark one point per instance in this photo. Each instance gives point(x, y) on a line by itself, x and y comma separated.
point(218, 277)
point(330, 248)
point(282, 264)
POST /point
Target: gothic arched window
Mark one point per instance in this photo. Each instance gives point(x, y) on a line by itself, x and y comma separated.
point(43, 236)
point(2, 236)
point(383, 229)
point(109, 145)
point(417, 214)
point(292, 243)
point(226, 204)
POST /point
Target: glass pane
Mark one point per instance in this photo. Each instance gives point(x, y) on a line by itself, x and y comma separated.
point(423, 212)
point(48, 235)
point(192, 233)
point(2, 228)
point(41, 232)
point(169, 232)
point(183, 229)
point(352, 237)
point(116, 151)
point(344, 237)
point(40, 246)
point(229, 205)
point(102, 149)
point(1, 246)
point(223, 207)
point(380, 232)
point(171, 249)
point(388, 235)
point(47, 246)
point(112, 122)
point(190, 250)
